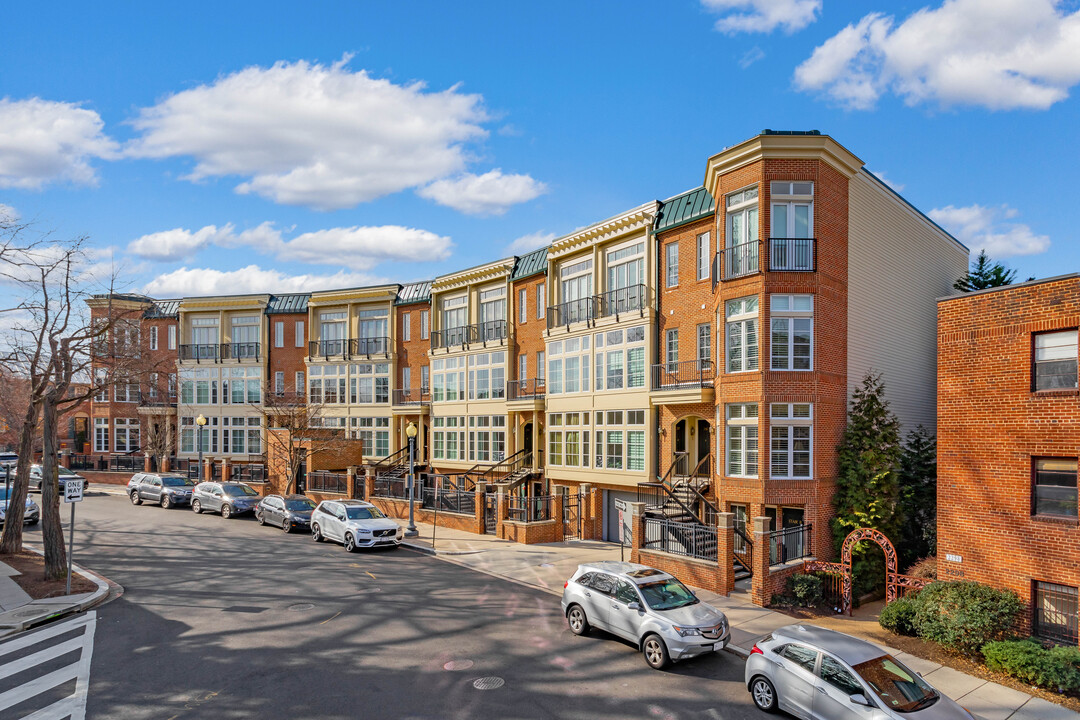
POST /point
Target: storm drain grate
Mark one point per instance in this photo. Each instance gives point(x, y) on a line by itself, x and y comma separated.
point(488, 683)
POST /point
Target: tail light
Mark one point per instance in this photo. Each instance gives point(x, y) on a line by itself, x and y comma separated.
point(565, 584)
point(756, 649)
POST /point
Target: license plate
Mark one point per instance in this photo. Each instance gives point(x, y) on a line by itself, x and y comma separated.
point(718, 646)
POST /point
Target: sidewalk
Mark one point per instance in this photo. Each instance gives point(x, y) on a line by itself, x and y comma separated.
point(547, 567)
point(18, 611)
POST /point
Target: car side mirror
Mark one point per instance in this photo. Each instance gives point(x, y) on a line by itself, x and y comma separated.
point(859, 699)
point(634, 606)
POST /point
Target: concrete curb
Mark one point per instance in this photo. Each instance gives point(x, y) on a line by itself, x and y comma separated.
point(419, 548)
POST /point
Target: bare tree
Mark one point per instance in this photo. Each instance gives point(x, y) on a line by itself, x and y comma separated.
point(295, 434)
point(159, 438)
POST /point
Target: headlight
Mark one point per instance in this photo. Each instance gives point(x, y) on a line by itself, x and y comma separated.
point(686, 631)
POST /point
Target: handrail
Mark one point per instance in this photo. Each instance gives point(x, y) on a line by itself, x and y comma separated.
point(688, 373)
point(511, 464)
point(674, 497)
point(738, 260)
point(679, 456)
point(748, 549)
point(393, 459)
point(792, 254)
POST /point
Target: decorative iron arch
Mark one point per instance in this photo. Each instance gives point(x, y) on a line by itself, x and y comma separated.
point(891, 574)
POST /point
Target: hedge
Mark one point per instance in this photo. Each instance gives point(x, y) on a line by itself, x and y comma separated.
point(1055, 668)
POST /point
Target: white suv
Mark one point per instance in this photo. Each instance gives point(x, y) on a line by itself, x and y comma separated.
point(354, 524)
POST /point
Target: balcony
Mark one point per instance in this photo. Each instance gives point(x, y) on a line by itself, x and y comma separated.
point(571, 312)
point(738, 260)
point(240, 351)
point(411, 400)
point(199, 353)
point(526, 394)
point(345, 349)
point(792, 254)
point(683, 382)
point(623, 300)
point(485, 332)
point(633, 298)
point(366, 347)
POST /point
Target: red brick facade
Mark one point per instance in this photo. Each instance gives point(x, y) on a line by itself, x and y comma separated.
point(992, 427)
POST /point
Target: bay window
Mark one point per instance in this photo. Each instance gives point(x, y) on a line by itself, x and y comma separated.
point(741, 440)
point(742, 334)
point(790, 432)
point(792, 323)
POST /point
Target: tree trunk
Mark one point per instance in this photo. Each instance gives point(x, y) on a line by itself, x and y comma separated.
point(11, 542)
point(52, 533)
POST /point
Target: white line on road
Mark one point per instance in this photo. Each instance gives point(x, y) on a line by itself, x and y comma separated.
point(75, 704)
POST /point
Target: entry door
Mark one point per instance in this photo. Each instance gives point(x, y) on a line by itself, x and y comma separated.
point(703, 445)
point(527, 440)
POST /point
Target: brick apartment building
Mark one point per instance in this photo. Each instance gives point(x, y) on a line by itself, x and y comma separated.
point(1008, 443)
point(639, 355)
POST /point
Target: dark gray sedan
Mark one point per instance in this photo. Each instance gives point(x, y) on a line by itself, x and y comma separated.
point(227, 498)
point(160, 488)
point(289, 512)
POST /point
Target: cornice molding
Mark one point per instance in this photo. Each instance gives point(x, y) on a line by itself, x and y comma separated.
point(787, 147)
point(473, 276)
point(640, 218)
point(244, 302)
point(337, 297)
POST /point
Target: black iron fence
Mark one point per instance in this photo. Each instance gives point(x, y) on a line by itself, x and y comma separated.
point(126, 463)
point(329, 482)
point(82, 462)
point(738, 260)
point(791, 254)
point(531, 509)
point(397, 488)
point(530, 389)
point(455, 501)
point(790, 543)
point(680, 538)
point(689, 373)
point(200, 352)
point(249, 472)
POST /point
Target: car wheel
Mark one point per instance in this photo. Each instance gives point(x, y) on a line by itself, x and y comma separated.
point(226, 511)
point(259, 518)
point(135, 499)
point(579, 624)
point(196, 506)
point(286, 526)
point(655, 652)
point(763, 693)
point(166, 502)
point(350, 543)
point(316, 533)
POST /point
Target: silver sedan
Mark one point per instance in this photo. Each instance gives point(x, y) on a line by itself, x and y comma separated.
point(819, 674)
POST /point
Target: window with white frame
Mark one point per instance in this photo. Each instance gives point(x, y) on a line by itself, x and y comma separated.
point(576, 288)
point(204, 332)
point(172, 387)
point(569, 439)
point(299, 385)
point(792, 325)
point(425, 327)
point(487, 438)
point(332, 422)
point(369, 383)
point(741, 238)
point(487, 376)
point(279, 334)
point(245, 336)
point(101, 435)
point(406, 377)
point(523, 306)
point(791, 440)
point(406, 326)
point(523, 367)
point(742, 334)
point(671, 264)
point(424, 378)
point(153, 387)
point(569, 362)
point(374, 432)
point(126, 435)
point(153, 337)
point(454, 313)
point(704, 343)
point(299, 332)
point(187, 435)
point(1055, 361)
point(241, 435)
point(541, 367)
point(741, 437)
point(704, 255)
point(126, 390)
point(326, 384)
point(448, 377)
point(541, 300)
point(332, 331)
point(448, 438)
point(101, 384)
point(671, 348)
point(126, 338)
point(619, 359)
point(279, 383)
point(172, 337)
point(792, 209)
point(373, 324)
point(241, 385)
point(493, 313)
point(619, 440)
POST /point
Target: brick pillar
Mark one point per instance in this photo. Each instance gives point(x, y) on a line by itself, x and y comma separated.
point(725, 552)
point(759, 587)
point(146, 466)
point(208, 469)
point(636, 541)
point(502, 514)
point(350, 481)
point(369, 482)
point(165, 465)
point(596, 512)
point(226, 467)
point(478, 519)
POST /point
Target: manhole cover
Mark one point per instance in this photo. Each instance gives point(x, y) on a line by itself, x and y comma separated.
point(300, 607)
point(458, 665)
point(488, 683)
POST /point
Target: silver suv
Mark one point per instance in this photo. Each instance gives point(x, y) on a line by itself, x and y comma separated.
point(354, 524)
point(160, 488)
point(646, 606)
point(227, 498)
point(812, 672)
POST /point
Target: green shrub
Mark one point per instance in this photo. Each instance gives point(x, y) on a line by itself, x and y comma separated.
point(806, 589)
point(899, 616)
point(966, 615)
point(1029, 661)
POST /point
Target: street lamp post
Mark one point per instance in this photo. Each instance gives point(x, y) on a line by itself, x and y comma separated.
point(411, 531)
point(201, 422)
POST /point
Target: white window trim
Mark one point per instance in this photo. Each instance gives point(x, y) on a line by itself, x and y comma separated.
point(406, 327)
point(780, 314)
point(154, 338)
point(299, 330)
point(790, 422)
point(671, 279)
point(741, 422)
point(703, 259)
point(741, 317)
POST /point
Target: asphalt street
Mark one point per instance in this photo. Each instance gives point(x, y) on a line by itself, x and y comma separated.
point(227, 619)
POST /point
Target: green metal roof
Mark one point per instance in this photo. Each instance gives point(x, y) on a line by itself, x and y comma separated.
point(681, 209)
point(414, 293)
point(161, 309)
point(530, 264)
point(291, 303)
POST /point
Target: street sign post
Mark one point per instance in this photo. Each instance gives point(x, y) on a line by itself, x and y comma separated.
point(73, 493)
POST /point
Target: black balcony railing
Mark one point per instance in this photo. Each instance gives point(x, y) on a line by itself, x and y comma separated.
point(530, 389)
point(490, 331)
point(622, 300)
point(571, 311)
point(790, 543)
point(200, 352)
point(792, 254)
point(738, 260)
point(343, 348)
point(240, 351)
point(681, 538)
point(328, 348)
point(369, 346)
point(691, 373)
point(412, 396)
point(633, 298)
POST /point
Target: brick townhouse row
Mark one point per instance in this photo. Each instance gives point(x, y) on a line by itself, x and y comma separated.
point(713, 337)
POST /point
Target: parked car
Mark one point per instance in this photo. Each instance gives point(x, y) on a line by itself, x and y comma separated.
point(646, 606)
point(354, 524)
point(813, 672)
point(285, 511)
point(227, 498)
point(162, 488)
point(62, 472)
point(31, 515)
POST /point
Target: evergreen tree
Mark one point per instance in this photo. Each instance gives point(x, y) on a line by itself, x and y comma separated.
point(918, 496)
point(868, 486)
point(983, 274)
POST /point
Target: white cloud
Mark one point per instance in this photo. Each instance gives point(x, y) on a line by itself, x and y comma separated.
point(314, 135)
point(42, 142)
point(530, 242)
point(8, 213)
point(763, 16)
point(489, 194)
point(998, 54)
point(898, 187)
point(360, 248)
point(990, 229)
point(189, 282)
point(751, 56)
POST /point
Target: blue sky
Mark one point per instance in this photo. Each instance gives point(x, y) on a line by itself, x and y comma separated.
point(231, 147)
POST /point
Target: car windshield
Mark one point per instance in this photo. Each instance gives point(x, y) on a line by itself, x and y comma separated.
point(363, 513)
point(176, 481)
point(899, 688)
point(237, 490)
point(667, 594)
point(299, 505)
point(63, 470)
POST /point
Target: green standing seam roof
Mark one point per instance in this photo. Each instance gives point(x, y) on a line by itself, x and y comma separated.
point(414, 293)
point(681, 209)
point(530, 264)
point(291, 303)
point(161, 309)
